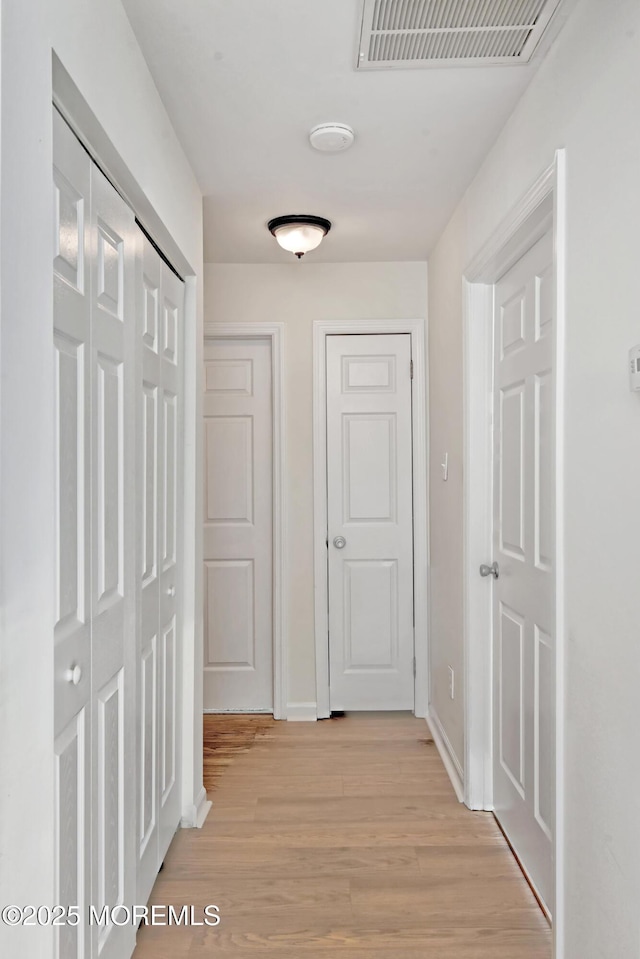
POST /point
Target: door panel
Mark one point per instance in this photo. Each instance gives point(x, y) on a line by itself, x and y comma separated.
point(170, 581)
point(72, 632)
point(369, 472)
point(159, 332)
point(524, 600)
point(238, 525)
point(148, 567)
point(113, 552)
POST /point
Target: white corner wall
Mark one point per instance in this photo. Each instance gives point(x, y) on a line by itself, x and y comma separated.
point(585, 99)
point(95, 43)
point(296, 294)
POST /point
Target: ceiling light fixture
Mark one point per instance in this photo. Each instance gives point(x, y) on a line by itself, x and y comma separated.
point(299, 233)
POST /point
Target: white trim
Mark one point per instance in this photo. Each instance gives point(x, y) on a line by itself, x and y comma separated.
point(477, 526)
point(237, 712)
point(195, 815)
point(560, 252)
point(302, 712)
point(274, 332)
point(543, 205)
point(416, 328)
point(447, 753)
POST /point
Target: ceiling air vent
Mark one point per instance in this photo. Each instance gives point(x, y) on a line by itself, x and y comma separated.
point(428, 33)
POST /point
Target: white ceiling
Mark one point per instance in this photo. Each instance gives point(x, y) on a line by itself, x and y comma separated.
point(245, 80)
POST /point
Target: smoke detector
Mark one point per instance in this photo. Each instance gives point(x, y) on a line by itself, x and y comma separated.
point(331, 137)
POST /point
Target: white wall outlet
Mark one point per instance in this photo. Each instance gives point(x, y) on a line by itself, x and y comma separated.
point(444, 466)
point(452, 681)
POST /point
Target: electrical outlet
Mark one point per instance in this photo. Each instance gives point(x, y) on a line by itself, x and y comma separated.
point(452, 680)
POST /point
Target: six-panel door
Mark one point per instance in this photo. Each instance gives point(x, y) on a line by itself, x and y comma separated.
point(524, 602)
point(238, 519)
point(370, 521)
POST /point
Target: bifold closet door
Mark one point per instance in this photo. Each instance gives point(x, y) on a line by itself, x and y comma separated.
point(94, 343)
point(114, 239)
point(72, 634)
point(160, 337)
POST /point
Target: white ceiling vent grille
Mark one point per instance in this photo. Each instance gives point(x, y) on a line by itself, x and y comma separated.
point(427, 33)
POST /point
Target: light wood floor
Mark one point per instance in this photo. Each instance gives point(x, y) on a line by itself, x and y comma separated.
point(341, 838)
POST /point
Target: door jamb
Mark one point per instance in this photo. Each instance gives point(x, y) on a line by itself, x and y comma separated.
point(275, 333)
point(544, 203)
point(322, 329)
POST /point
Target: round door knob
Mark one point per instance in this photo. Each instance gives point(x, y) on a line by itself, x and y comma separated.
point(339, 542)
point(73, 675)
point(171, 591)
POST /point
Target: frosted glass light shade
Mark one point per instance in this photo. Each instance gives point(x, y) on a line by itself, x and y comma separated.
point(299, 239)
point(299, 233)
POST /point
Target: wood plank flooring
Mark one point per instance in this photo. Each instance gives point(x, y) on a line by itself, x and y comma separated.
point(341, 838)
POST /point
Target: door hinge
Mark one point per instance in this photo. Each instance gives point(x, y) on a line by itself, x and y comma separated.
point(411, 369)
point(414, 667)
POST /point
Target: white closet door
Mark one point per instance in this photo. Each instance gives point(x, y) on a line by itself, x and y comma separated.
point(160, 340)
point(112, 548)
point(171, 331)
point(149, 296)
point(370, 521)
point(238, 523)
point(72, 636)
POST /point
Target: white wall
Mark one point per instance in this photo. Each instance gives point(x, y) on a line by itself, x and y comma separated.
point(296, 294)
point(94, 41)
point(584, 98)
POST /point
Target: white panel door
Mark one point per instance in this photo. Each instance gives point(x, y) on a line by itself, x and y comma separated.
point(171, 333)
point(370, 522)
point(524, 597)
point(148, 571)
point(160, 339)
point(238, 508)
point(72, 635)
point(113, 552)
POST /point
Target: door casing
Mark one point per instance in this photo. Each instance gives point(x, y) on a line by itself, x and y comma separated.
point(417, 329)
point(542, 205)
point(275, 333)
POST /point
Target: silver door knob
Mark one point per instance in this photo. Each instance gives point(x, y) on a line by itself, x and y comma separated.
point(171, 591)
point(493, 570)
point(339, 542)
point(73, 675)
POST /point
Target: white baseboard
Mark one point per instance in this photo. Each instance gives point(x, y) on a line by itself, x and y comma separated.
point(238, 712)
point(195, 815)
point(302, 712)
point(448, 756)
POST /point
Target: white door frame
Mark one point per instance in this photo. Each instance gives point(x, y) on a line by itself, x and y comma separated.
point(275, 333)
point(542, 205)
point(322, 329)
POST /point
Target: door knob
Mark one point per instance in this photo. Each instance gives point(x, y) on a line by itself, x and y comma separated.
point(73, 675)
point(339, 542)
point(493, 570)
point(171, 591)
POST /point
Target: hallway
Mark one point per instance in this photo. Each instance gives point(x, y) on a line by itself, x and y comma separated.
point(344, 838)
